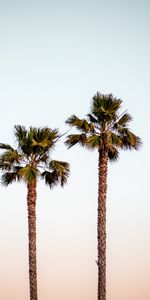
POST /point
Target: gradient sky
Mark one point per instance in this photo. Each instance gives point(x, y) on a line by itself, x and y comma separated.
point(54, 56)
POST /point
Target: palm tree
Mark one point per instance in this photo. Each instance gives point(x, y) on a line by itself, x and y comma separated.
point(31, 160)
point(106, 130)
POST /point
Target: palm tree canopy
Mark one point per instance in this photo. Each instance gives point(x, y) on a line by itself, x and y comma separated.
point(32, 158)
point(105, 128)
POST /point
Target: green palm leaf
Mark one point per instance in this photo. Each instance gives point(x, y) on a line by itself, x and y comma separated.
point(20, 134)
point(124, 120)
point(44, 137)
point(5, 146)
point(28, 173)
point(80, 124)
point(10, 156)
point(94, 141)
point(105, 107)
point(73, 139)
point(51, 178)
point(9, 177)
point(61, 168)
point(113, 154)
point(129, 139)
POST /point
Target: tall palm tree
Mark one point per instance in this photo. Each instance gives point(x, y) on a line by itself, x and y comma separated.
point(31, 160)
point(106, 130)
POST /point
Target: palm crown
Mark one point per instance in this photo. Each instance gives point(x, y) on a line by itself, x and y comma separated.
point(104, 128)
point(32, 158)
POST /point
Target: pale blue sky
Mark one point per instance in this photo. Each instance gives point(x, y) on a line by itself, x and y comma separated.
point(54, 56)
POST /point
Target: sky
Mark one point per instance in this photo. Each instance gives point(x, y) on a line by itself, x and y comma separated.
point(54, 56)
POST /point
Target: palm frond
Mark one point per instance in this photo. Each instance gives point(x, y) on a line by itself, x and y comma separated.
point(5, 166)
point(74, 139)
point(9, 177)
point(61, 168)
point(28, 173)
point(94, 141)
point(10, 156)
point(80, 124)
point(6, 147)
point(123, 120)
point(35, 140)
point(20, 133)
point(113, 139)
point(113, 154)
point(42, 157)
point(105, 107)
point(51, 178)
point(23, 138)
point(129, 139)
point(105, 103)
point(44, 137)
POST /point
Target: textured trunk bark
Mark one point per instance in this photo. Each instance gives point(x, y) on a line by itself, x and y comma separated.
point(31, 203)
point(101, 225)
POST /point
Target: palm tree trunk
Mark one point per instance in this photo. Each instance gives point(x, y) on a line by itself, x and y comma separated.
point(31, 203)
point(101, 224)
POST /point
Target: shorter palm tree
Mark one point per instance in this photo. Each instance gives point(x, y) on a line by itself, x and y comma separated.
point(31, 160)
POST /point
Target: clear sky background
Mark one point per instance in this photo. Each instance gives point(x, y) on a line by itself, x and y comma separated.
point(54, 56)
